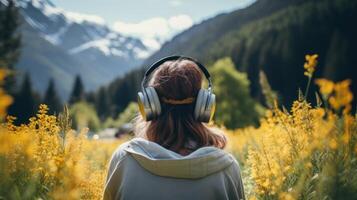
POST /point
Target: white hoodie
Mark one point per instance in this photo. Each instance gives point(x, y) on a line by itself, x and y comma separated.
point(140, 169)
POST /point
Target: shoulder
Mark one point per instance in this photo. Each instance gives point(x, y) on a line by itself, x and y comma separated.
point(118, 156)
point(120, 153)
point(233, 172)
point(234, 168)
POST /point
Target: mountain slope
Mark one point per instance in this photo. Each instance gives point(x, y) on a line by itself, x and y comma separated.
point(275, 36)
point(197, 40)
point(60, 44)
point(278, 44)
point(272, 35)
point(43, 60)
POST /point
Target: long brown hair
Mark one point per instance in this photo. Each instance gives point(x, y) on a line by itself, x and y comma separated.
point(176, 126)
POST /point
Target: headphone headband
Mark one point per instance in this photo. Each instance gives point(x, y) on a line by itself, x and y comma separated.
point(169, 58)
point(174, 57)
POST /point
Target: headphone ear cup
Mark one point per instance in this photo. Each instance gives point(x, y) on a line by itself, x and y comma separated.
point(205, 106)
point(210, 108)
point(154, 102)
point(144, 107)
point(200, 104)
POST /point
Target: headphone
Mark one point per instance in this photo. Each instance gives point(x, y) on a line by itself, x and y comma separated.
point(149, 102)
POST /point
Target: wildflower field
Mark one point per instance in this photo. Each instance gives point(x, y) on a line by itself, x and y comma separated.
point(307, 152)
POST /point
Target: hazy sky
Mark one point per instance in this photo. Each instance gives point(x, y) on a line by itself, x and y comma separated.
point(134, 11)
point(153, 21)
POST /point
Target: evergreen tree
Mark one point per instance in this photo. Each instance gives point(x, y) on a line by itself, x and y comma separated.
point(78, 91)
point(25, 102)
point(90, 97)
point(9, 37)
point(10, 41)
point(51, 98)
point(124, 90)
point(122, 96)
point(102, 104)
point(119, 93)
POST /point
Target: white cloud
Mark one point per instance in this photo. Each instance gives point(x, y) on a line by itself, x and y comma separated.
point(153, 32)
point(79, 18)
point(148, 28)
point(175, 3)
point(180, 22)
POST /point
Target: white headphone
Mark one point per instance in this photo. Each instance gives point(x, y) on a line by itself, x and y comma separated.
point(149, 102)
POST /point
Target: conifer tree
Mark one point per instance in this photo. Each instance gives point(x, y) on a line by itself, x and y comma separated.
point(102, 104)
point(10, 41)
point(9, 37)
point(51, 98)
point(77, 91)
point(90, 97)
point(26, 102)
point(122, 96)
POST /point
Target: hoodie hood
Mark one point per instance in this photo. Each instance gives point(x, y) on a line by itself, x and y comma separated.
point(163, 162)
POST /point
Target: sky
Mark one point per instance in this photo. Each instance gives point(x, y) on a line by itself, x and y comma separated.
point(152, 20)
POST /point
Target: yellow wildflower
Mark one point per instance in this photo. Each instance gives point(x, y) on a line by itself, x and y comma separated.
point(310, 64)
point(342, 95)
point(285, 196)
point(3, 74)
point(346, 138)
point(5, 100)
point(326, 86)
point(308, 165)
point(318, 112)
point(333, 144)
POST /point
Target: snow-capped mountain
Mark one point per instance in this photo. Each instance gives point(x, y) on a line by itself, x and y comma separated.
point(78, 32)
point(60, 44)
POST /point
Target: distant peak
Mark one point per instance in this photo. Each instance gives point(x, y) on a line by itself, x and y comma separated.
point(36, 3)
point(80, 18)
point(41, 2)
point(50, 9)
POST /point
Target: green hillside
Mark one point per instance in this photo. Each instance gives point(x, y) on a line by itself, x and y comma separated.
point(273, 36)
point(271, 44)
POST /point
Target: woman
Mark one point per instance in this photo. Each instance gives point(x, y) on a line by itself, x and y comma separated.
point(174, 155)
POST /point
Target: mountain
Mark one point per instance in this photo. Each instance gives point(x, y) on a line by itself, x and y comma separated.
point(59, 44)
point(198, 40)
point(274, 36)
point(278, 45)
point(269, 35)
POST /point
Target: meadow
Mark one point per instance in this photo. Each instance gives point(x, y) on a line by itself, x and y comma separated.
point(306, 152)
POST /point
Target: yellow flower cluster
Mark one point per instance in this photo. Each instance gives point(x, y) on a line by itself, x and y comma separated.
point(283, 147)
point(5, 99)
point(37, 159)
point(326, 86)
point(310, 64)
point(337, 94)
point(299, 149)
point(342, 96)
point(44, 160)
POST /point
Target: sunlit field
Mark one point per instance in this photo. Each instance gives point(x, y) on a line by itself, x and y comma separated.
point(307, 152)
